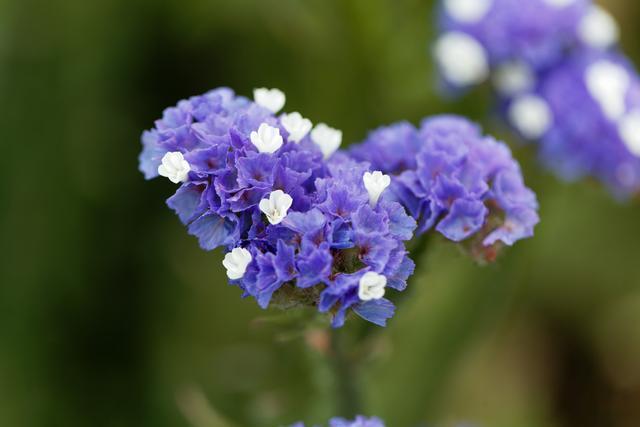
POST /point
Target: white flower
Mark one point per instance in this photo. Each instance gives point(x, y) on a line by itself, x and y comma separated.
point(467, 11)
point(271, 99)
point(559, 3)
point(531, 115)
point(276, 206)
point(371, 286)
point(236, 263)
point(174, 167)
point(512, 78)
point(297, 126)
point(629, 129)
point(608, 84)
point(461, 58)
point(327, 138)
point(598, 28)
point(267, 139)
point(375, 183)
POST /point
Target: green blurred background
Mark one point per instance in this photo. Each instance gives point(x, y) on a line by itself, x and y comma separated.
point(110, 314)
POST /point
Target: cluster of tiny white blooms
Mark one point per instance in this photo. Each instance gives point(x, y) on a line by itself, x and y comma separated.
point(461, 58)
point(236, 263)
point(327, 138)
point(276, 206)
point(468, 11)
point(297, 126)
point(174, 167)
point(512, 78)
point(559, 3)
point(629, 129)
point(598, 28)
point(375, 183)
point(531, 115)
point(608, 84)
point(271, 99)
point(371, 286)
point(267, 139)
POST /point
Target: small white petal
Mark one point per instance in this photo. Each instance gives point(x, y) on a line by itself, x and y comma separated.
point(276, 206)
point(375, 183)
point(559, 3)
point(236, 263)
point(608, 84)
point(371, 286)
point(462, 60)
point(267, 139)
point(467, 11)
point(512, 78)
point(598, 28)
point(271, 99)
point(531, 115)
point(174, 167)
point(327, 138)
point(297, 126)
point(629, 129)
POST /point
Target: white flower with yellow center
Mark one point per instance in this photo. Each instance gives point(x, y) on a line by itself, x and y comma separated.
point(276, 206)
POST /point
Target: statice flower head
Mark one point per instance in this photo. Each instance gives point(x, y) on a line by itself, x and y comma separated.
point(301, 223)
point(340, 253)
point(359, 421)
point(229, 154)
point(585, 114)
point(450, 177)
point(514, 40)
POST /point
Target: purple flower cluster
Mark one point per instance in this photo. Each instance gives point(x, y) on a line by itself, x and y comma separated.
point(359, 421)
point(585, 115)
point(559, 79)
point(335, 252)
point(510, 39)
point(302, 225)
point(228, 174)
point(451, 177)
point(533, 31)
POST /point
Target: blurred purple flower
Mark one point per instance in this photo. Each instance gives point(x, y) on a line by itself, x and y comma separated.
point(359, 421)
point(585, 115)
point(514, 38)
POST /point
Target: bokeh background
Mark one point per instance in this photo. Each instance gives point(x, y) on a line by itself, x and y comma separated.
point(110, 314)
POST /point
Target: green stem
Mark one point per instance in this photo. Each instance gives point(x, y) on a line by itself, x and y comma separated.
point(343, 361)
point(346, 384)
